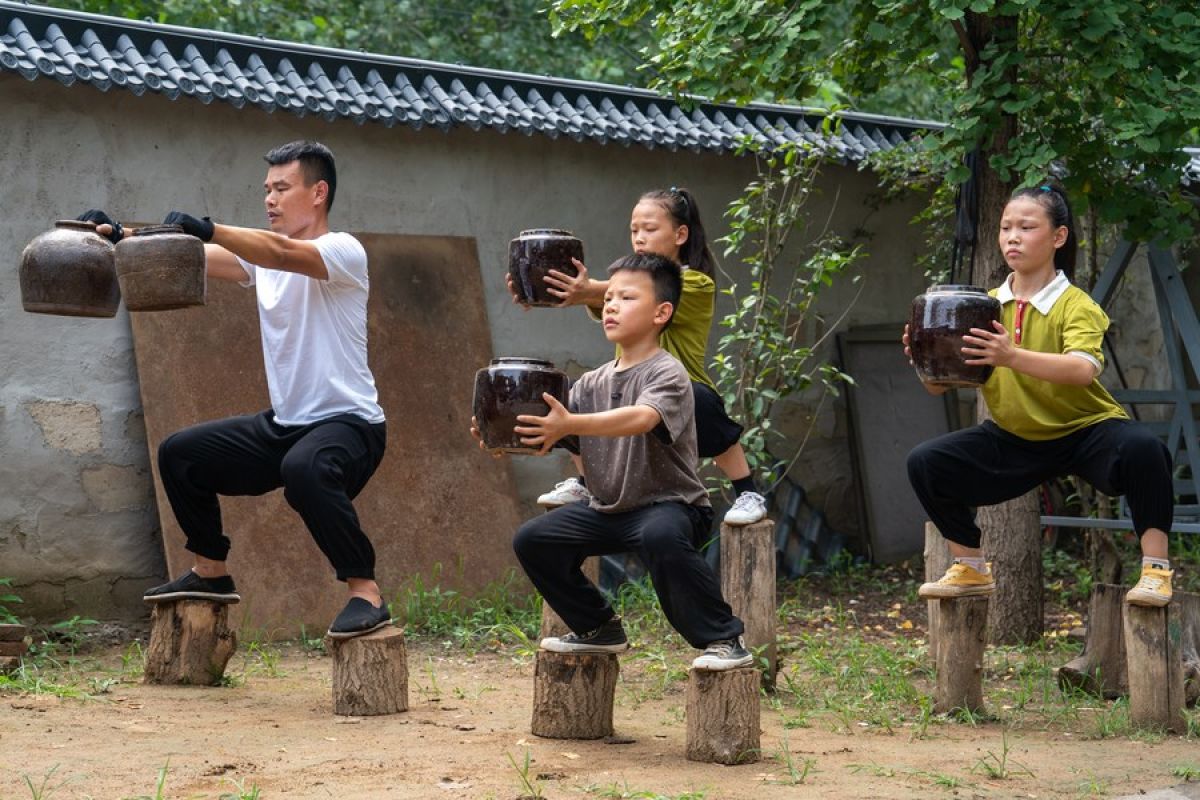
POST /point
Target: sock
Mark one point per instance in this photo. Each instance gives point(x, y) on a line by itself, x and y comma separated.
point(743, 485)
point(1160, 563)
point(977, 564)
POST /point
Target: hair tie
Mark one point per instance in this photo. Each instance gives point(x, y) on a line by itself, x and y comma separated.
point(687, 207)
point(1045, 188)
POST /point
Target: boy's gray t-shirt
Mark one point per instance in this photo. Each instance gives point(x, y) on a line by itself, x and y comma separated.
point(628, 472)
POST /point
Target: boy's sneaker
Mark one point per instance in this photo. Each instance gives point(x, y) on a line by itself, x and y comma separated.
point(725, 654)
point(359, 617)
point(608, 638)
point(191, 586)
point(564, 493)
point(749, 508)
point(959, 581)
point(1154, 588)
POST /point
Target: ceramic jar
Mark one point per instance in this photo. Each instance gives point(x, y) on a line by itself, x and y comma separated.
point(69, 271)
point(512, 386)
point(160, 267)
point(533, 254)
point(940, 318)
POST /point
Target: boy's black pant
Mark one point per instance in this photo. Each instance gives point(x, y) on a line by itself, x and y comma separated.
point(321, 467)
point(985, 465)
point(552, 547)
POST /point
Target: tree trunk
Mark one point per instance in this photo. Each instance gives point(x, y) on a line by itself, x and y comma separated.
point(370, 674)
point(1100, 669)
point(748, 584)
point(723, 715)
point(190, 643)
point(573, 695)
point(1012, 530)
point(962, 640)
point(1155, 666)
point(937, 561)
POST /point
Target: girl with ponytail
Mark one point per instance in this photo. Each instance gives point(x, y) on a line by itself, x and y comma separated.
point(1050, 414)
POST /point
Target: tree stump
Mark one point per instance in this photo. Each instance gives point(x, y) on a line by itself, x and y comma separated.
point(723, 715)
point(370, 673)
point(13, 645)
point(190, 643)
point(1100, 668)
point(748, 585)
point(1162, 661)
point(573, 695)
point(937, 561)
point(552, 624)
point(962, 637)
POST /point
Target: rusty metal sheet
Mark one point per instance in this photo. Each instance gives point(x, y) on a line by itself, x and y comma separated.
point(435, 500)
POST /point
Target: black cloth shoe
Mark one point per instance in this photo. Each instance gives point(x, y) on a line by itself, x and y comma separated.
point(357, 618)
point(191, 586)
point(725, 654)
point(608, 638)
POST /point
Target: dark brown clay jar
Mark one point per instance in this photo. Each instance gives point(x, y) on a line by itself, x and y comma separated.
point(512, 386)
point(940, 319)
point(533, 254)
point(69, 271)
point(160, 267)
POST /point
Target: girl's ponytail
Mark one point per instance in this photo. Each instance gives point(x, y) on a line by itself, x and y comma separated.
point(681, 205)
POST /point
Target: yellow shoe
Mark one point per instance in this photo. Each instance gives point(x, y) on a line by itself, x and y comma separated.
point(959, 581)
point(1154, 589)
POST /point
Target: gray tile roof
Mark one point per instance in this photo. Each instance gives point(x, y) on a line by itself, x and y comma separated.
point(111, 53)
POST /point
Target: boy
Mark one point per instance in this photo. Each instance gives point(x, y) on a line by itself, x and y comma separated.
point(633, 418)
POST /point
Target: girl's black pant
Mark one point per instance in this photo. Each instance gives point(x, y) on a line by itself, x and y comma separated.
point(322, 467)
point(984, 465)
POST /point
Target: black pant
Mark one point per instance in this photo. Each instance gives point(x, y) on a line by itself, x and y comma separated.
point(552, 547)
point(985, 465)
point(321, 467)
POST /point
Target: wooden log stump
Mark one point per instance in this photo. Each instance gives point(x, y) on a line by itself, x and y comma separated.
point(1100, 668)
point(370, 673)
point(937, 561)
point(723, 715)
point(1160, 651)
point(190, 643)
point(748, 585)
point(552, 624)
point(961, 634)
point(573, 695)
point(13, 646)
point(1188, 606)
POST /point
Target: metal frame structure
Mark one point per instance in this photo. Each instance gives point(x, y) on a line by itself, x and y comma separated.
point(1181, 339)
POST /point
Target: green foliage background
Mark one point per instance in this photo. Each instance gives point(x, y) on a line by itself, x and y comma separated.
point(499, 34)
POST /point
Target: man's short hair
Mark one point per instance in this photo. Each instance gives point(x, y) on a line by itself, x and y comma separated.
point(316, 163)
point(666, 275)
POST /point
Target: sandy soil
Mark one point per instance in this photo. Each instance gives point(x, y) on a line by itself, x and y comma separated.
point(274, 729)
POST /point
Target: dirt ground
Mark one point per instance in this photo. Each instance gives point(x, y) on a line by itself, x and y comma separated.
point(469, 715)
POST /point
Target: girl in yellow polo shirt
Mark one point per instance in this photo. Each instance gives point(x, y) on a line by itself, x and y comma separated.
point(1050, 414)
point(666, 222)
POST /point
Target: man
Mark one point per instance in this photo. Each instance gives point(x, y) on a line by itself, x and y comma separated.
point(324, 434)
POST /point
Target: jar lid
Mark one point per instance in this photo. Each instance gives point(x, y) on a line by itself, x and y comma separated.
point(545, 232)
point(956, 287)
point(154, 230)
point(515, 360)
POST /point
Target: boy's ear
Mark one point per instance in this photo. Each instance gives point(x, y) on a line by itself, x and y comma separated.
point(664, 312)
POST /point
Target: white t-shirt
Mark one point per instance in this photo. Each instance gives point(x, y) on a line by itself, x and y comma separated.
point(314, 336)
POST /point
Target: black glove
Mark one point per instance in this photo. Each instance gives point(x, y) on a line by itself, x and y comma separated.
point(98, 217)
point(202, 229)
